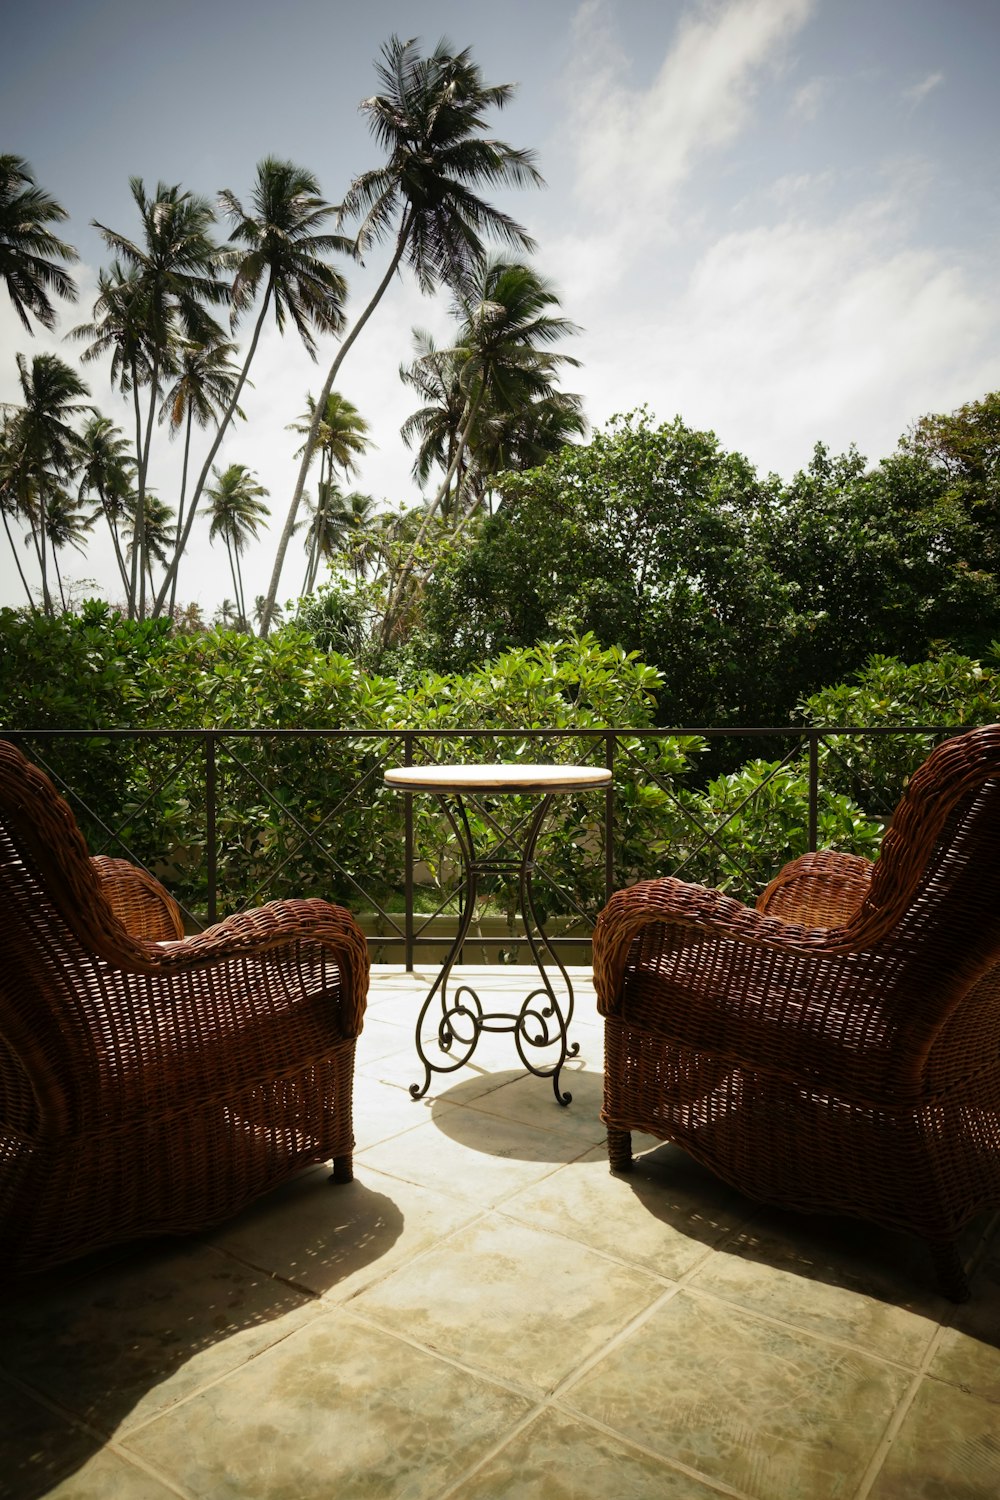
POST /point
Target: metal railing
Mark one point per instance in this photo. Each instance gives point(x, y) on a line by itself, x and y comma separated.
point(228, 752)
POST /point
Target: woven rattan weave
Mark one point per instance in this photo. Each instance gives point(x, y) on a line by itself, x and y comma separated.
point(836, 1049)
point(152, 1083)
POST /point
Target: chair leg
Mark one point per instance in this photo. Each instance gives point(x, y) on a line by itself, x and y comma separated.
point(343, 1168)
point(951, 1278)
point(619, 1149)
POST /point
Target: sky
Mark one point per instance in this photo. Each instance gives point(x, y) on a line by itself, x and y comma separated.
point(776, 219)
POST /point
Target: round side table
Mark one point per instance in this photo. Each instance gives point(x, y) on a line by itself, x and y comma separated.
point(542, 1021)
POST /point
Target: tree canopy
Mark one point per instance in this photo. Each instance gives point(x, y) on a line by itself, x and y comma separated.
point(746, 593)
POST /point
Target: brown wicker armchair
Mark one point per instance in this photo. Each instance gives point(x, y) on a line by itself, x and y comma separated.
point(837, 1049)
point(152, 1083)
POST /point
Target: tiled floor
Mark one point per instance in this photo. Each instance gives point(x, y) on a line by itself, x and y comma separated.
point(486, 1313)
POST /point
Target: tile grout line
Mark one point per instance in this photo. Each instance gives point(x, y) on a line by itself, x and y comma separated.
point(553, 1401)
point(896, 1420)
point(895, 1423)
point(843, 1345)
point(103, 1442)
point(709, 1480)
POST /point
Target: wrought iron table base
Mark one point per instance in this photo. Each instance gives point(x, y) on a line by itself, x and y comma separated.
point(542, 1020)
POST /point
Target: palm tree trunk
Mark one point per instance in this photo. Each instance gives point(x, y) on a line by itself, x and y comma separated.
point(145, 565)
point(286, 535)
point(17, 561)
point(55, 564)
point(42, 553)
point(394, 602)
point(106, 512)
point(133, 592)
point(239, 584)
point(182, 537)
point(232, 573)
point(180, 503)
point(119, 555)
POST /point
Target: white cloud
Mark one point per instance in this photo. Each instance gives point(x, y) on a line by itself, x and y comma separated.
point(808, 100)
point(917, 92)
point(794, 332)
point(794, 185)
point(635, 148)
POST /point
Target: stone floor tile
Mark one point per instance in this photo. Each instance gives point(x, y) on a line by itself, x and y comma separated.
point(382, 1111)
point(815, 1273)
point(335, 1239)
point(473, 1156)
point(123, 1343)
point(38, 1448)
point(948, 1448)
point(341, 1411)
point(109, 1476)
point(664, 1216)
point(511, 1301)
point(381, 1038)
point(532, 1101)
point(776, 1413)
point(494, 1062)
point(968, 1354)
point(559, 1457)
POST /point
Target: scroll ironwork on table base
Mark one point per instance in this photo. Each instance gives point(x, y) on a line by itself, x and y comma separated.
point(542, 1022)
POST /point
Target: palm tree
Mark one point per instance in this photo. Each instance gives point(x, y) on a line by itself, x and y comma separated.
point(11, 499)
point(27, 246)
point(278, 247)
point(521, 438)
point(202, 390)
point(107, 469)
point(259, 606)
point(338, 522)
point(341, 438)
point(66, 525)
point(158, 292)
point(430, 121)
point(501, 368)
point(237, 511)
point(341, 435)
point(436, 374)
point(159, 534)
point(41, 446)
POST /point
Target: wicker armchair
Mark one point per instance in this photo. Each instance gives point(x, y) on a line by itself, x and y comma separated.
point(836, 1049)
point(152, 1083)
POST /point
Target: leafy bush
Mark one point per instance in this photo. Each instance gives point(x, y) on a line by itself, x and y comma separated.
point(301, 810)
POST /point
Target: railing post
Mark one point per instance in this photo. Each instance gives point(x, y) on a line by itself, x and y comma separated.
point(212, 853)
point(609, 820)
point(408, 856)
point(813, 790)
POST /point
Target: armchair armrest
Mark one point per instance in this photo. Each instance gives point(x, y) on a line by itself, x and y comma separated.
point(268, 929)
point(138, 900)
point(692, 911)
point(819, 890)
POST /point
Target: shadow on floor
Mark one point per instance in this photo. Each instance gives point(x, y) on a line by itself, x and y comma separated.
point(890, 1266)
point(107, 1342)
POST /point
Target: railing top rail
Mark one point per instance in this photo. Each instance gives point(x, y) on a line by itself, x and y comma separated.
point(728, 731)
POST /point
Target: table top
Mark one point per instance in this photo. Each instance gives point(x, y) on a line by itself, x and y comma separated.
point(500, 778)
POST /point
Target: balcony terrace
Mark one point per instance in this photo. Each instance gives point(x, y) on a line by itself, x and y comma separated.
point(487, 1312)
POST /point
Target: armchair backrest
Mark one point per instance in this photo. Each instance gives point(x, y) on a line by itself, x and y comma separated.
point(934, 896)
point(55, 927)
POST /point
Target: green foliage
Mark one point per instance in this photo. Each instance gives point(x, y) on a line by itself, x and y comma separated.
point(949, 689)
point(639, 538)
point(759, 818)
point(746, 594)
point(301, 813)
